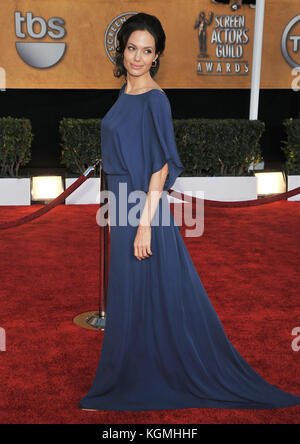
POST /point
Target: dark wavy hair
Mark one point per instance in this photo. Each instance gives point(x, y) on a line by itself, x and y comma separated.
point(141, 22)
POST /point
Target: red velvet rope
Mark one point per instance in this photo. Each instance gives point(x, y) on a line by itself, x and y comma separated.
point(243, 203)
point(40, 212)
point(173, 193)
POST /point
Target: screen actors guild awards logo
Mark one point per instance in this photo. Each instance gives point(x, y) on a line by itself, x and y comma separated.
point(111, 33)
point(228, 38)
point(201, 24)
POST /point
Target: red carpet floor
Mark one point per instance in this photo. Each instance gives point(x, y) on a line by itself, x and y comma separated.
point(248, 260)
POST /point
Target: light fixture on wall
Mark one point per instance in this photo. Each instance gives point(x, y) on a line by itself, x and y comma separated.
point(270, 182)
point(46, 188)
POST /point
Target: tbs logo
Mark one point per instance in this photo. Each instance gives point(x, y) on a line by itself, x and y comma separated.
point(40, 54)
point(290, 42)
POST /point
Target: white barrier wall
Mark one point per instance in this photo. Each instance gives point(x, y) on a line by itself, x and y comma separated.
point(294, 182)
point(15, 191)
point(212, 188)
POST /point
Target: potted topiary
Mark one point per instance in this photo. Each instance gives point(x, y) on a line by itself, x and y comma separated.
point(80, 148)
point(15, 151)
point(291, 149)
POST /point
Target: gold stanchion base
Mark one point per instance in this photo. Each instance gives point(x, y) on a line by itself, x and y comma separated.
point(90, 320)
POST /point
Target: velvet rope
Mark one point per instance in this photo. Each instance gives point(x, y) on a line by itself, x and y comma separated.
point(244, 203)
point(40, 212)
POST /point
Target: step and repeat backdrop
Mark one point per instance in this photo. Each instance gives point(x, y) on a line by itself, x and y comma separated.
point(70, 43)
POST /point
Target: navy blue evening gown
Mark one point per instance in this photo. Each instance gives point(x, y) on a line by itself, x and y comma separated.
point(164, 346)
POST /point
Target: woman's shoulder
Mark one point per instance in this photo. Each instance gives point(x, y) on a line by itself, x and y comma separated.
point(156, 87)
point(157, 99)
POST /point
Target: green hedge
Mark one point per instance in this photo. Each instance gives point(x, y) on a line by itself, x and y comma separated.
point(80, 143)
point(291, 146)
point(218, 147)
point(207, 147)
point(15, 145)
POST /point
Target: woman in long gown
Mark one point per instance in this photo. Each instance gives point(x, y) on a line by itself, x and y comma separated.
point(164, 346)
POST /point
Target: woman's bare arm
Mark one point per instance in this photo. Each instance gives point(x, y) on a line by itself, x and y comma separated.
point(142, 242)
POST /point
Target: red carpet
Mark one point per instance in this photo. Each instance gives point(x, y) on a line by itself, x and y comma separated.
point(248, 260)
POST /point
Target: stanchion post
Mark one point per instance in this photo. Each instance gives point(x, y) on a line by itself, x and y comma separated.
point(96, 320)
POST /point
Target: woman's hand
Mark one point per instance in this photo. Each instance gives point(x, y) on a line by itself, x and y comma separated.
point(142, 242)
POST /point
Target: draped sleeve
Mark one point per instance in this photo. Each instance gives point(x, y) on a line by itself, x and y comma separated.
point(158, 138)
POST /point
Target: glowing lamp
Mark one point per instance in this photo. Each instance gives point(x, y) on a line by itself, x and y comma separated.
point(270, 183)
point(45, 188)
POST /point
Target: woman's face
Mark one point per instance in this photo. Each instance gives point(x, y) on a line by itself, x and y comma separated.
point(139, 53)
